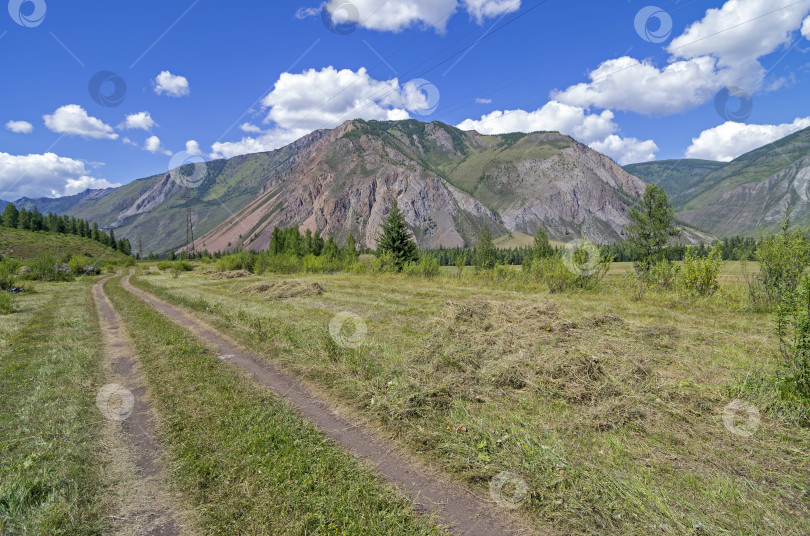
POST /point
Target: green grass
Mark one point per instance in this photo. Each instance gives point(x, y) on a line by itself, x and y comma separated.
point(608, 407)
point(246, 461)
point(50, 479)
point(27, 245)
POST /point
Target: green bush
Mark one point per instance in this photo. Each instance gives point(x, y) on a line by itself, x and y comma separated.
point(283, 264)
point(180, 265)
point(793, 328)
point(6, 303)
point(79, 263)
point(664, 274)
point(164, 265)
point(321, 264)
point(384, 263)
point(8, 271)
point(782, 257)
point(426, 267)
point(241, 260)
point(358, 268)
point(699, 276)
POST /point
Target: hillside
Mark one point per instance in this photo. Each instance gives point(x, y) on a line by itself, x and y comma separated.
point(28, 244)
point(676, 177)
point(752, 191)
point(60, 205)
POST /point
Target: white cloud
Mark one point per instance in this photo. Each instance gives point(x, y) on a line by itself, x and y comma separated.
point(192, 147)
point(596, 130)
point(20, 127)
point(128, 141)
point(73, 120)
point(483, 101)
point(722, 49)
point(301, 103)
point(741, 31)
point(140, 120)
point(629, 84)
point(806, 28)
point(250, 128)
point(728, 141)
point(482, 9)
point(37, 175)
point(172, 85)
point(396, 15)
point(153, 146)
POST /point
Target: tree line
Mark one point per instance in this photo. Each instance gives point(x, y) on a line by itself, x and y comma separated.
point(34, 220)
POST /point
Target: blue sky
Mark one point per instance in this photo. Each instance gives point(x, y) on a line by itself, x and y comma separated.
point(208, 79)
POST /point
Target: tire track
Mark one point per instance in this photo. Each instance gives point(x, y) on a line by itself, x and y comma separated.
point(463, 512)
point(142, 506)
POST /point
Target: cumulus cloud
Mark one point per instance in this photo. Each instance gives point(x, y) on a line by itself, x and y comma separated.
point(250, 128)
point(806, 28)
point(192, 147)
point(37, 175)
point(20, 127)
point(596, 130)
point(722, 49)
point(128, 141)
point(728, 141)
point(301, 103)
point(171, 85)
point(396, 15)
point(153, 145)
point(73, 120)
point(140, 120)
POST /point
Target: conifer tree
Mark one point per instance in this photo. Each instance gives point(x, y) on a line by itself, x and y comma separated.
point(542, 247)
point(396, 238)
point(485, 250)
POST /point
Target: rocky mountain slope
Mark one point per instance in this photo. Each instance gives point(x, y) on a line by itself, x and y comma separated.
point(449, 183)
point(744, 196)
point(60, 205)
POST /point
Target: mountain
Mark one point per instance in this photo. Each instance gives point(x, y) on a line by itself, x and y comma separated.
point(3, 204)
point(751, 192)
point(677, 177)
point(448, 182)
point(60, 205)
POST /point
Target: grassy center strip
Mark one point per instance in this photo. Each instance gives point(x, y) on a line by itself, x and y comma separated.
point(247, 461)
point(50, 475)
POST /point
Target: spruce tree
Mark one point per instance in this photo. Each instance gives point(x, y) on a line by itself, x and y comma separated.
point(10, 216)
point(542, 247)
point(651, 228)
point(350, 249)
point(396, 238)
point(486, 255)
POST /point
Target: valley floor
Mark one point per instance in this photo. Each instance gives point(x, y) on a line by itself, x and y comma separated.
point(580, 413)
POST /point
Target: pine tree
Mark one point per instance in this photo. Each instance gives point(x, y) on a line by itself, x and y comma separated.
point(542, 247)
point(485, 250)
point(396, 238)
point(330, 249)
point(112, 243)
point(651, 228)
point(11, 216)
point(350, 250)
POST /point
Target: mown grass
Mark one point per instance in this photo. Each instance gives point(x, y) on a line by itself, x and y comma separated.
point(246, 461)
point(609, 407)
point(50, 479)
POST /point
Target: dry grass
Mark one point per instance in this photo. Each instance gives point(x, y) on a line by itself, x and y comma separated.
point(289, 288)
point(610, 408)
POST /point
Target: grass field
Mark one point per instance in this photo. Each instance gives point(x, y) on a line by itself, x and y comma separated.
point(51, 481)
point(26, 245)
point(610, 409)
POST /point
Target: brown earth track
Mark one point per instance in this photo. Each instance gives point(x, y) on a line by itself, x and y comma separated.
point(142, 505)
point(461, 511)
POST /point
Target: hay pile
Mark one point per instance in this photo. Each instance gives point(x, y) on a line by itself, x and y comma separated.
point(233, 274)
point(287, 288)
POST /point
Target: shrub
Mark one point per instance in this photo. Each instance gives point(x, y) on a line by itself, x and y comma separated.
point(358, 268)
point(8, 271)
point(6, 303)
point(664, 274)
point(79, 263)
point(793, 329)
point(283, 264)
point(241, 260)
point(552, 271)
point(321, 264)
point(783, 258)
point(385, 263)
point(164, 265)
point(699, 276)
point(426, 267)
point(181, 265)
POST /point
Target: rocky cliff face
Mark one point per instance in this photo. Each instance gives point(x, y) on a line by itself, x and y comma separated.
point(449, 184)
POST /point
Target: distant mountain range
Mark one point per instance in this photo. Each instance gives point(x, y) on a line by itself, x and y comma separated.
point(743, 196)
point(449, 184)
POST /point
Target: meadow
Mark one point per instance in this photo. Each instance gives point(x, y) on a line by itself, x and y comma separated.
point(621, 415)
